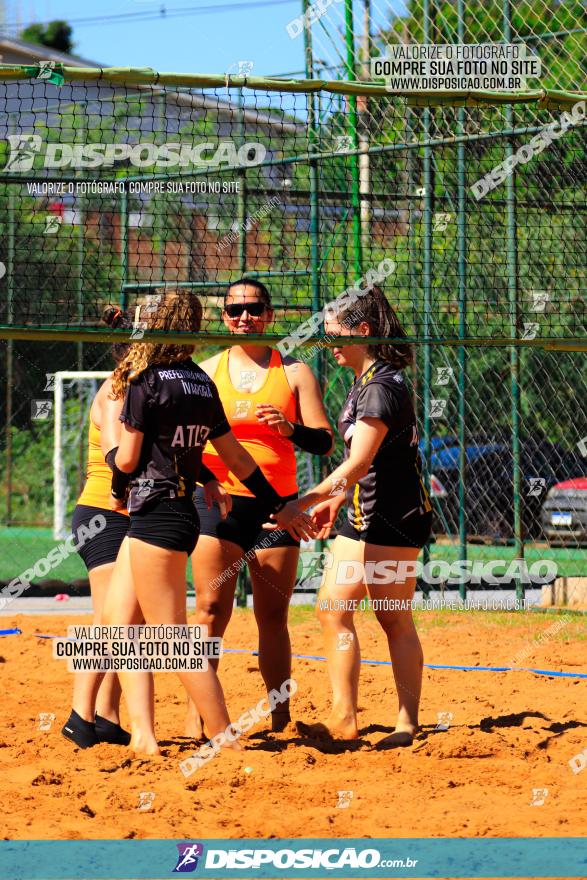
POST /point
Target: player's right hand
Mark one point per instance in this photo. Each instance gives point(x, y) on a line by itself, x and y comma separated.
point(324, 515)
point(294, 520)
point(214, 492)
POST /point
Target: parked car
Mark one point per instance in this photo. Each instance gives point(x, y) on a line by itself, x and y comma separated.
point(564, 512)
point(489, 505)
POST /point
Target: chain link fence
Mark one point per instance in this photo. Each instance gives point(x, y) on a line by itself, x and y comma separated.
point(114, 184)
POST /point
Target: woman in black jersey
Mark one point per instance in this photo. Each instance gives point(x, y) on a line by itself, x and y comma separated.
point(171, 408)
point(388, 517)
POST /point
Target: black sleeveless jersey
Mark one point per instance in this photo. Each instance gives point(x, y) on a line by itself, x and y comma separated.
point(393, 487)
point(178, 409)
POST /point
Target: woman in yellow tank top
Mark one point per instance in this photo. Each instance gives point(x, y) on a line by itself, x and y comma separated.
point(96, 696)
point(271, 404)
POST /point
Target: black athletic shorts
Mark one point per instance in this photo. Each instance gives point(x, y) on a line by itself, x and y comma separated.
point(414, 531)
point(171, 523)
point(243, 525)
point(102, 548)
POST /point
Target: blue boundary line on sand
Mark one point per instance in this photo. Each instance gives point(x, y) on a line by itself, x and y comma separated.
point(430, 665)
point(388, 663)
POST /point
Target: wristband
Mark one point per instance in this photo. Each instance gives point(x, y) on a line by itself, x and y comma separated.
point(205, 475)
point(263, 490)
point(120, 480)
point(318, 441)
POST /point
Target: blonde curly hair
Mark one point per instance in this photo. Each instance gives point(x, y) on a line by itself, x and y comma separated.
point(177, 310)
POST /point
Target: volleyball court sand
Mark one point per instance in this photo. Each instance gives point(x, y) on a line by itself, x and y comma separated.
point(510, 733)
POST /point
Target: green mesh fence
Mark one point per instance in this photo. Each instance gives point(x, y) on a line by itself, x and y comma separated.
point(115, 184)
point(109, 192)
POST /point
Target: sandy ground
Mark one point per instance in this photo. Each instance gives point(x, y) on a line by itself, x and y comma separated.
point(510, 733)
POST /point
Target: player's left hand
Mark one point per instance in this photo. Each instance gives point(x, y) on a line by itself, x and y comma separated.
point(214, 492)
point(294, 520)
point(274, 417)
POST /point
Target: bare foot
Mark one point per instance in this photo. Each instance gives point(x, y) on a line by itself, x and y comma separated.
point(287, 732)
point(144, 744)
point(232, 746)
point(194, 727)
point(280, 720)
point(402, 737)
point(229, 745)
point(333, 728)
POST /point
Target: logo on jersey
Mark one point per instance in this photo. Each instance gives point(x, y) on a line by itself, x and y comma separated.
point(145, 487)
point(188, 436)
point(241, 409)
point(368, 376)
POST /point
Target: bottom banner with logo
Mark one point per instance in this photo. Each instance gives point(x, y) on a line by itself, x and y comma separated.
point(352, 858)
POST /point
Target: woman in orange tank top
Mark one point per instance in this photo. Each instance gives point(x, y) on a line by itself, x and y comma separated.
point(271, 404)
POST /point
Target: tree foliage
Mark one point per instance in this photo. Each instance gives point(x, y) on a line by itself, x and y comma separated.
point(56, 35)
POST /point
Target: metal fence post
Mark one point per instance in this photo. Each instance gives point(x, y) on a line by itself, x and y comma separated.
point(462, 352)
point(242, 196)
point(352, 128)
point(10, 343)
point(427, 281)
point(124, 249)
point(514, 307)
point(313, 134)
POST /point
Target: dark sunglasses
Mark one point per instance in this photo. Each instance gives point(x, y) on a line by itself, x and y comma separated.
point(255, 309)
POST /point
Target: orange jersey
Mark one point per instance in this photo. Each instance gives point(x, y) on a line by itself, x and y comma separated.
point(273, 453)
point(96, 492)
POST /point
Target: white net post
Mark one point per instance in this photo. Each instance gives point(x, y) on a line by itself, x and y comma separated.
point(68, 437)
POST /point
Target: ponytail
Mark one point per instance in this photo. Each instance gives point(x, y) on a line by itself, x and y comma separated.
point(375, 309)
point(114, 317)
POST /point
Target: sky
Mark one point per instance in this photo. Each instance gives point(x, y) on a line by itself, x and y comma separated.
point(207, 42)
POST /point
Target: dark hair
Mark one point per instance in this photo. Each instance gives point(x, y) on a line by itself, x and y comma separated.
point(252, 282)
point(115, 317)
point(374, 308)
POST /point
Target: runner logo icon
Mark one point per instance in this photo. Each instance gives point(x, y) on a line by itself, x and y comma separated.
point(187, 860)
